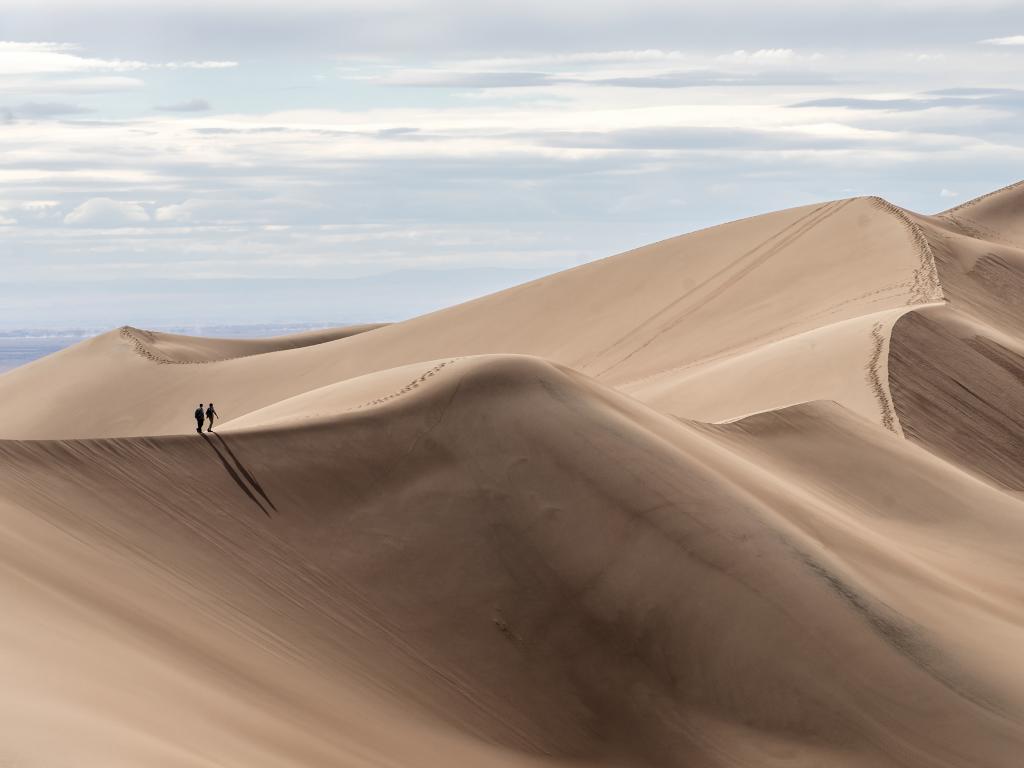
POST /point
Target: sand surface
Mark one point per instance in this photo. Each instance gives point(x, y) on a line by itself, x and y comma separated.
point(752, 496)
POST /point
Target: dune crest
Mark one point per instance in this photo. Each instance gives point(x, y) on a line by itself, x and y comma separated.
point(173, 348)
point(746, 497)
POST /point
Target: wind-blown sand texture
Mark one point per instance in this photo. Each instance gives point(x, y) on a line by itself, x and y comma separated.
point(747, 497)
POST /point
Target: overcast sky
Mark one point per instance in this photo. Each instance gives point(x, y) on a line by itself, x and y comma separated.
point(188, 140)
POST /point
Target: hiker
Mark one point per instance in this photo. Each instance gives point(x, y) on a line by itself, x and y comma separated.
point(199, 419)
point(211, 414)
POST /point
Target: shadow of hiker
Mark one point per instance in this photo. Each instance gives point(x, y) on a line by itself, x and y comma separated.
point(234, 475)
point(245, 472)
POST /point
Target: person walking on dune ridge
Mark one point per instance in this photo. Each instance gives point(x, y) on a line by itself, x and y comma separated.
point(211, 414)
point(199, 419)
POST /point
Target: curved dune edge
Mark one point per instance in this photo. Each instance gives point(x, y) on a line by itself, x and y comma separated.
point(994, 217)
point(926, 286)
point(327, 404)
point(962, 397)
point(982, 198)
point(178, 349)
point(846, 362)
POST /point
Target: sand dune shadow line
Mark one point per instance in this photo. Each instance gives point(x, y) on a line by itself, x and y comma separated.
point(234, 475)
point(245, 472)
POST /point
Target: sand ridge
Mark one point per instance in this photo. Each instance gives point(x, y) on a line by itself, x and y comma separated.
point(925, 286)
point(982, 198)
point(190, 350)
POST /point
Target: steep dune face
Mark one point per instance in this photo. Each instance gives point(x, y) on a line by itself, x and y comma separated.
point(957, 372)
point(524, 559)
point(962, 397)
point(749, 497)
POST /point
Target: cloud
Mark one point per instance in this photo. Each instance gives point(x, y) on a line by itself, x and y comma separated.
point(910, 104)
point(40, 110)
point(694, 78)
point(580, 57)
point(694, 139)
point(975, 92)
point(181, 212)
point(701, 78)
point(192, 105)
point(452, 79)
point(948, 193)
point(642, 68)
point(200, 64)
point(1004, 98)
point(24, 58)
point(1012, 40)
point(410, 28)
point(18, 58)
point(764, 54)
point(66, 85)
point(105, 212)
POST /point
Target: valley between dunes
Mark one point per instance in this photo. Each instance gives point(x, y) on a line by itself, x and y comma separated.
point(752, 496)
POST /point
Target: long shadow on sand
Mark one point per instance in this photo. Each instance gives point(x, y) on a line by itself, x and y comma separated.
point(245, 472)
point(235, 476)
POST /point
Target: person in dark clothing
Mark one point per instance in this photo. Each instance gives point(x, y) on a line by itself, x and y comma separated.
point(199, 419)
point(211, 414)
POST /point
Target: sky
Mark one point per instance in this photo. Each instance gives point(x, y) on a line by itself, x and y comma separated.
point(225, 145)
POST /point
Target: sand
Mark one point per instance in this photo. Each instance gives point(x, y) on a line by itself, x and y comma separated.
point(746, 497)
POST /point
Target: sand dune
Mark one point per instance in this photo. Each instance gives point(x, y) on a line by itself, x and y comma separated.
point(178, 349)
point(748, 497)
point(658, 312)
point(994, 217)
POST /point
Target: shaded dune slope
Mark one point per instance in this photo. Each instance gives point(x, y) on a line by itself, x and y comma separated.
point(957, 371)
point(523, 566)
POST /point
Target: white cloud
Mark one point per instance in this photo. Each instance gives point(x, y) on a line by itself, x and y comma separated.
point(179, 212)
point(582, 57)
point(37, 86)
point(33, 206)
point(192, 105)
point(105, 212)
point(764, 54)
point(200, 64)
point(1012, 40)
point(48, 58)
point(948, 193)
point(36, 58)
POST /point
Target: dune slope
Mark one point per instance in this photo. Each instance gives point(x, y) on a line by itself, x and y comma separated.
point(524, 566)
